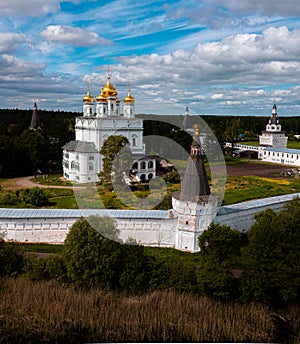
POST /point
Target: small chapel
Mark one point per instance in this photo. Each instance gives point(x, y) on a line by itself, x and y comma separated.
point(81, 159)
point(273, 136)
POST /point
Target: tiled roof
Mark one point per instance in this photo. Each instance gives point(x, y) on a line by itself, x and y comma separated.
point(233, 208)
point(80, 147)
point(283, 150)
point(76, 213)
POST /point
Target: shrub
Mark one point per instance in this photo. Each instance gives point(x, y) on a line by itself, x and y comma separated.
point(11, 261)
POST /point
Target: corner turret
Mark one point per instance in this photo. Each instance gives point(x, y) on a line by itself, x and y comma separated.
point(194, 205)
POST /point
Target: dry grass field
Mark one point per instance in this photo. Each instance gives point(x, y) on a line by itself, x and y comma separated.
point(44, 312)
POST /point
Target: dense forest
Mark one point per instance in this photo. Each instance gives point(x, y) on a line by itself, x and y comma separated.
point(24, 151)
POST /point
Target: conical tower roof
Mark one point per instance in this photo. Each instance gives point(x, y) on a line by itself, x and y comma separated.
point(35, 121)
point(194, 186)
point(186, 123)
point(274, 116)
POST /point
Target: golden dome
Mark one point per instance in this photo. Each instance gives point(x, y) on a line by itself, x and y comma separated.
point(101, 97)
point(109, 90)
point(88, 98)
point(118, 100)
point(129, 99)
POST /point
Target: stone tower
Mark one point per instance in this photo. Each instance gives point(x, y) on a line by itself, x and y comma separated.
point(194, 205)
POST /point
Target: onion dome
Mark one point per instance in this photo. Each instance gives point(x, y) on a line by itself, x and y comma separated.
point(129, 99)
point(109, 90)
point(118, 100)
point(101, 98)
point(88, 98)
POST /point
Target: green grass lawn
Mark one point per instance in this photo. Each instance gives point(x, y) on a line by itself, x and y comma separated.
point(52, 179)
point(239, 189)
point(61, 198)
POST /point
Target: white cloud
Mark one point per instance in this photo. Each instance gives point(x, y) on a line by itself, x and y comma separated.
point(265, 7)
point(257, 59)
point(13, 68)
point(217, 96)
point(32, 8)
point(9, 42)
point(73, 36)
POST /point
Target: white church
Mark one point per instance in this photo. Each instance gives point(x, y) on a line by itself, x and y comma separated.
point(81, 159)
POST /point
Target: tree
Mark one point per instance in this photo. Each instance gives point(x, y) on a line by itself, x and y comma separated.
point(136, 269)
point(92, 259)
point(110, 150)
point(220, 249)
point(272, 262)
point(34, 147)
point(11, 261)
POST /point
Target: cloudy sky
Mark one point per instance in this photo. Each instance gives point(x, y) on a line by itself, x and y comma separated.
point(228, 57)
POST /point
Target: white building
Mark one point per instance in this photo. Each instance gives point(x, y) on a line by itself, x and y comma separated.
point(273, 136)
point(93, 128)
point(272, 144)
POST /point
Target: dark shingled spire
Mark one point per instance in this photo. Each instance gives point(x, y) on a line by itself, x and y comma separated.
point(195, 186)
point(274, 117)
point(186, 123)
point(35, 121)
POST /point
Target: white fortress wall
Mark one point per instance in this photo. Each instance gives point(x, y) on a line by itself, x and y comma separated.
point(148, 227)
point(241, 215)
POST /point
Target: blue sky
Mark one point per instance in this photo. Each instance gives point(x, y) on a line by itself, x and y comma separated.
point(228, 57)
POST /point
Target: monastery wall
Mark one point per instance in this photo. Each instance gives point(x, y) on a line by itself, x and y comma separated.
point(156, 228)
point(241, 215)
point(151, 228)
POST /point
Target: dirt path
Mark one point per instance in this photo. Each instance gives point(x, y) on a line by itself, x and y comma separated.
point(25, 182)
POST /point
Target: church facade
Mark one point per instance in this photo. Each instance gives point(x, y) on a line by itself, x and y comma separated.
point(81, 159)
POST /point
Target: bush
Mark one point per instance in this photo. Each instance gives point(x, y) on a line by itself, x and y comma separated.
point(35, 196)
point(8, 198)
point(11, 260)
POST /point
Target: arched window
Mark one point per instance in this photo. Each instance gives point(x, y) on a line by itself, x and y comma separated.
point(150, 164)
point(143, 177)
point(133, 141)
point(150, 176)
point(135, 166)
point(143, 165)
point(72, 165)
